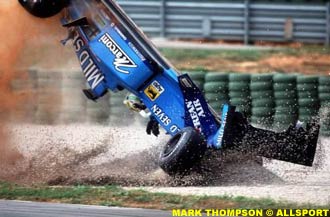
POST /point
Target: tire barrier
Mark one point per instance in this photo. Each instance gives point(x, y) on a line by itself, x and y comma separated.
point(56, 97)
point(216, 89)
point(239, 92)
point(24, 88)
point(74, 102)
point(307, 88)
point(324, 97)
point(198, 78)
point(49, 96)
point(263, 101)
point(285, 93)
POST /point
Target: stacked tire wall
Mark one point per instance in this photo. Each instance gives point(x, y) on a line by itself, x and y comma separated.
point(239, 92)
point(198, 78)
point(285, 92)
point(308, 101)
point(277, 100)
point(216, 89)
point(269, 100)
point(263, 101)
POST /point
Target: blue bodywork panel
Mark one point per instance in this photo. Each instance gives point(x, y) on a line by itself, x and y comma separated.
point(115, 55)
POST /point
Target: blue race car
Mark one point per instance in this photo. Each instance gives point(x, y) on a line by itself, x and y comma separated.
point(115, 55)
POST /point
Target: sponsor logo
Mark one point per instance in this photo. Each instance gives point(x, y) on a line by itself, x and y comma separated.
point(122, 60)
point(222, 130)
point(161, 115)
point(196, 111)
point(91, 71)
point(154, 90)
point(223, 125)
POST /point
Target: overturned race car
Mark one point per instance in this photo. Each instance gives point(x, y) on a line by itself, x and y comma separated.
point(115, 55)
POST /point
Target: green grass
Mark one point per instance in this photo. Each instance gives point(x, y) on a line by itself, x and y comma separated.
point(240, 55)
point(235, 55)
point(117, 196)
point(205, 60)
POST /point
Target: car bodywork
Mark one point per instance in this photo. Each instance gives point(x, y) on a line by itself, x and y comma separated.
point(114, 54)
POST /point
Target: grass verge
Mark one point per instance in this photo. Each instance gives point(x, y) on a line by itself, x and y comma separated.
point(117, 196)
point(234, 55)
point(240, 55)
point(284, 59)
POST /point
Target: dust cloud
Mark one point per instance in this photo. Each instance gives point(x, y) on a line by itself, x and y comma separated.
point(18, 29)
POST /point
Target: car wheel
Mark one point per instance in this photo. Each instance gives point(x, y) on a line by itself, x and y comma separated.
point(182, 152)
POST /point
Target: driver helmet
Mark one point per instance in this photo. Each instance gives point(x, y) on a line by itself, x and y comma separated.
point(134, 103)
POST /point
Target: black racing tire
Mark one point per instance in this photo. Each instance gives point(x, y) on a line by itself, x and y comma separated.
point(262, 77)
point(216, 96)
point(285, 119)
point(263, 112)
point(324, 89)
point(324, 97)
point(182, 152)
point(239, 86)
point(286, 103)
point(284, 87)
point(264, 94)
point(292, 94)
point(215, 76)
point(286, 110)
point(263, 103)
point(261, 85)
point(307, 87)
point(284, 78)
point(308, 94)
point(307, 79)
point(324, 80)
point(239, 77)
point(308, 112)
point(240, 101)
point(216, 87)
point(238, 94)
point(309, 102)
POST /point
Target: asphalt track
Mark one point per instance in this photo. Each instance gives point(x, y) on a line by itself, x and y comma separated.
point(33, 209)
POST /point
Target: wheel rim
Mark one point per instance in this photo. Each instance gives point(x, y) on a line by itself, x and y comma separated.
point(170, 146)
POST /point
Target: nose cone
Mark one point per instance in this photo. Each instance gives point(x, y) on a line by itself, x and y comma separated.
point(43, 8)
